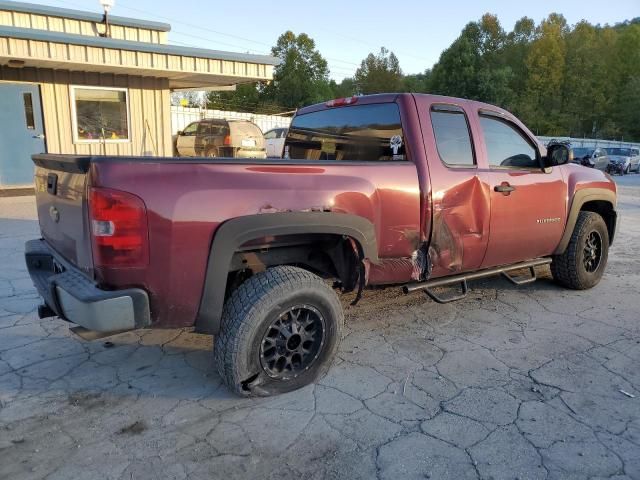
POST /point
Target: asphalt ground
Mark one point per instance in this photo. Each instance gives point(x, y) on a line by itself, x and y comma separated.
point(527, 382)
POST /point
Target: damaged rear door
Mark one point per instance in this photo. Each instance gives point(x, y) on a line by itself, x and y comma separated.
point(459, 188)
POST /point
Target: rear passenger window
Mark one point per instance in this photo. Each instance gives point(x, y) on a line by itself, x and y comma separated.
point(453, 141)
point(370, 133)
point(506, 145)
point(204, 128)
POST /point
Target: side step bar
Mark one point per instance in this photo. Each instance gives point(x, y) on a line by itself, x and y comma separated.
point(463, 278)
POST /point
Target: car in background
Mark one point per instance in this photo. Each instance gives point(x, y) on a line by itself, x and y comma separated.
point(635, 160)
point(593, 157)
point(221, 138)
point(274, 140)
point(620, 158)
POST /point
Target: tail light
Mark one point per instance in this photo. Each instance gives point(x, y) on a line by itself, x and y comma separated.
point(227, 140)
point(339, 102)
point(118, 229)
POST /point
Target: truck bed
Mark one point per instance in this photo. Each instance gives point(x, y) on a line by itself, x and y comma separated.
point(187, 199)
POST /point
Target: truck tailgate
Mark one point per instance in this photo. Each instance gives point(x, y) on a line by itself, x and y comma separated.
point(61, 198)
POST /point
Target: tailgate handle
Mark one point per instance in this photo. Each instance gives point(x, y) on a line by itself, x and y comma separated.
point(52, 183)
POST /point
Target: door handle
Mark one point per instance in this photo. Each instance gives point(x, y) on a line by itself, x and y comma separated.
point(39, 137)
point(504, 188)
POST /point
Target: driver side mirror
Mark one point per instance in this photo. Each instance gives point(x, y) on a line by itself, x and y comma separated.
point(180, 133)
point(558, 154)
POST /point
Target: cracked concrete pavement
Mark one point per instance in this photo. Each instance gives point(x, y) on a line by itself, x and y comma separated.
point(511, 383)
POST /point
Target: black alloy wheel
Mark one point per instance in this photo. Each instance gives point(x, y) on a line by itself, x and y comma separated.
point(592, 252)
point(292, 342)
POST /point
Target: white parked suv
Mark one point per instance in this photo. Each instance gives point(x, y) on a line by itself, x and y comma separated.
point(274, 140)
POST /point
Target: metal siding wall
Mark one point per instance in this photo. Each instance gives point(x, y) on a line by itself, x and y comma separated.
point(80, 27)
point(149, 101)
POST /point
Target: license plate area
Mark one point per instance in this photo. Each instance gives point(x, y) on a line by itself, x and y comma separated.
point(248, 142)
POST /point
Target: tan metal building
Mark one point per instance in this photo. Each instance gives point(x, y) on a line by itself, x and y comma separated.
point(66, 88)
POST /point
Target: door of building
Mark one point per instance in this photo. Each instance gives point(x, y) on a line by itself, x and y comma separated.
point(21, 132)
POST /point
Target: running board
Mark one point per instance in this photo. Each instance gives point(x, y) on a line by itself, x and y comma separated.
point(463, 278)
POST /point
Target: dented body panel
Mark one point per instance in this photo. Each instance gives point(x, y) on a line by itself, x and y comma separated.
point(183, 219)
point(426, 219)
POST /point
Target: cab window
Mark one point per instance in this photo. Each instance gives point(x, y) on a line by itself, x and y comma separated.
point(451, 131)
point(507, 147)
point(369, 133)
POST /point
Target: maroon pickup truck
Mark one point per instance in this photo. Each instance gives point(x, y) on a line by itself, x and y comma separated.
point(417, 191)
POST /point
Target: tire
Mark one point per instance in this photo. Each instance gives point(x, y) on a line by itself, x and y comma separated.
point(627, 170)
point(576, 268)
point(245, 350)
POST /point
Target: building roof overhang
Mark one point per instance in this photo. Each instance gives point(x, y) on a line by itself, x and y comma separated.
point(185, 67)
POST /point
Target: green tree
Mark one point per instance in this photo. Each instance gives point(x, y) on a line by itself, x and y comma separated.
point(379, 73)
point(455, 72)
point(346, 88)
point(626, 85)
point(473, 66)
point(516, 49)
point(302, 77)
point(417, 83)
point(584, 104)
point(542, 103)
point(245, 98)
point(561, 80)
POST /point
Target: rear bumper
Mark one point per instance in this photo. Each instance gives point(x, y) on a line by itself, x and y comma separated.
point(74, 297)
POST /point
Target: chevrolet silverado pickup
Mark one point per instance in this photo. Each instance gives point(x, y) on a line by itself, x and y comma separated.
point(418, 191)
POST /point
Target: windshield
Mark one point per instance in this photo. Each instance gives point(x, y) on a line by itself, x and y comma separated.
point(361, 132)
point(622, 152)
point(582, 152)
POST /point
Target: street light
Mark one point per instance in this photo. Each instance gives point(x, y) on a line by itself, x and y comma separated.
point(107, 5)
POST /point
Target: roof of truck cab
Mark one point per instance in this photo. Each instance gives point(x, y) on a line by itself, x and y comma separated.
point(392, 97)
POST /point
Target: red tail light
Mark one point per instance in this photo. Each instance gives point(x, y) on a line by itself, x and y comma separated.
point(339, 102)
point(227, 140)
point(118, 229)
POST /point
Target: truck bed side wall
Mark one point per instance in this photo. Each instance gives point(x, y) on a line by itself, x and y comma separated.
point(187, 201)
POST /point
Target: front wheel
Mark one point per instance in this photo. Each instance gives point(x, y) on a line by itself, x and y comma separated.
point(280, 331)
point(582, 264)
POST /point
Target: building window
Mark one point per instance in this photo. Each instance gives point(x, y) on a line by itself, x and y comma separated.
point(28, 110)
point(100, 114)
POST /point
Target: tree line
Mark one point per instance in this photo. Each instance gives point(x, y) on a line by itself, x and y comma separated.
point(561, 80)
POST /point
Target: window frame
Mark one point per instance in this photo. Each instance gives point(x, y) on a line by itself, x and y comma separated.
point(500, 117)
point(74, 115)
point(449, 108)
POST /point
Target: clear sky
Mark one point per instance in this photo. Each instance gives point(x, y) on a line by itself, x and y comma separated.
point(346, 31)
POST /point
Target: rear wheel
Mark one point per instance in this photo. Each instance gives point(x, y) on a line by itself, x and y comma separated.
point(582, 264)
point(280, 331)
